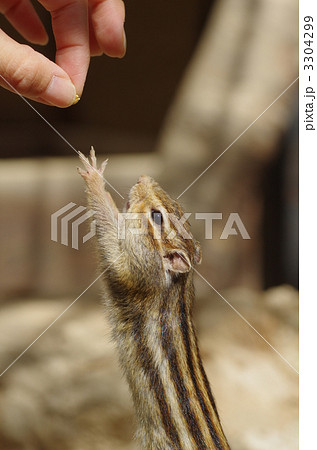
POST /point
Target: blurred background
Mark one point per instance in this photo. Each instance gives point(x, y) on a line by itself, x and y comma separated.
point(196, 75)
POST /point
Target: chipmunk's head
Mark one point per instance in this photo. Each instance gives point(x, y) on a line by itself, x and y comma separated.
point(157, 233)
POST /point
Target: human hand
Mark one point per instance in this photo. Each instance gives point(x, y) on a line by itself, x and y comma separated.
point(82, 28)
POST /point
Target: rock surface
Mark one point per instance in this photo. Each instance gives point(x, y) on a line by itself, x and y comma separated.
point(66, 391)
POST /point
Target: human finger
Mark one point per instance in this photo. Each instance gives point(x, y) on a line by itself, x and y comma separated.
point(27, 72)
point(70, 28)
point(107, 18)
point(94, 47)
point(22, 16)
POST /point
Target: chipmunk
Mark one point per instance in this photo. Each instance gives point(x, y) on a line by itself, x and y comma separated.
point(149, 275)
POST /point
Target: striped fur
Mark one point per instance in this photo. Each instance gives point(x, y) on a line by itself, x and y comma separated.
point(160, 357)
point(149, 302)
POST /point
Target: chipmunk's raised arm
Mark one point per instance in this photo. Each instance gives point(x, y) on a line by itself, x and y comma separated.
point(105, 209)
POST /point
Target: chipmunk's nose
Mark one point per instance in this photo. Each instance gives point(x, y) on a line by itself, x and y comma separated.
point(144, 179)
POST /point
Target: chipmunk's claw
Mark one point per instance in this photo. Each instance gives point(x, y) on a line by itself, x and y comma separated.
point(91, 166)
point(81, 171)
point(103, 165)
point(83, 158)
point(93, 158)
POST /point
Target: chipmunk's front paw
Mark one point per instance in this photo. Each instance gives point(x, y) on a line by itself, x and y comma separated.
point(91, 167)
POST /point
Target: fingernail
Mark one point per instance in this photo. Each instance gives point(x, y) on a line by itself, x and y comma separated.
point(60, 92)
point(124, 42)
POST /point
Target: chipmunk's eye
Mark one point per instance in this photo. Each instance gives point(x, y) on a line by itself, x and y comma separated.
point(157, 217)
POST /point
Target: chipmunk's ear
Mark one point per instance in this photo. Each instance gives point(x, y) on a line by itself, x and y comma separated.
point(197, 255)
point(177, 261)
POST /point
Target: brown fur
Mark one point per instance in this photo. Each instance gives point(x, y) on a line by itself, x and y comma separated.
point(150, 307)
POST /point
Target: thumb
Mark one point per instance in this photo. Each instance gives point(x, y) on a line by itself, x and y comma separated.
point(27, 72)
